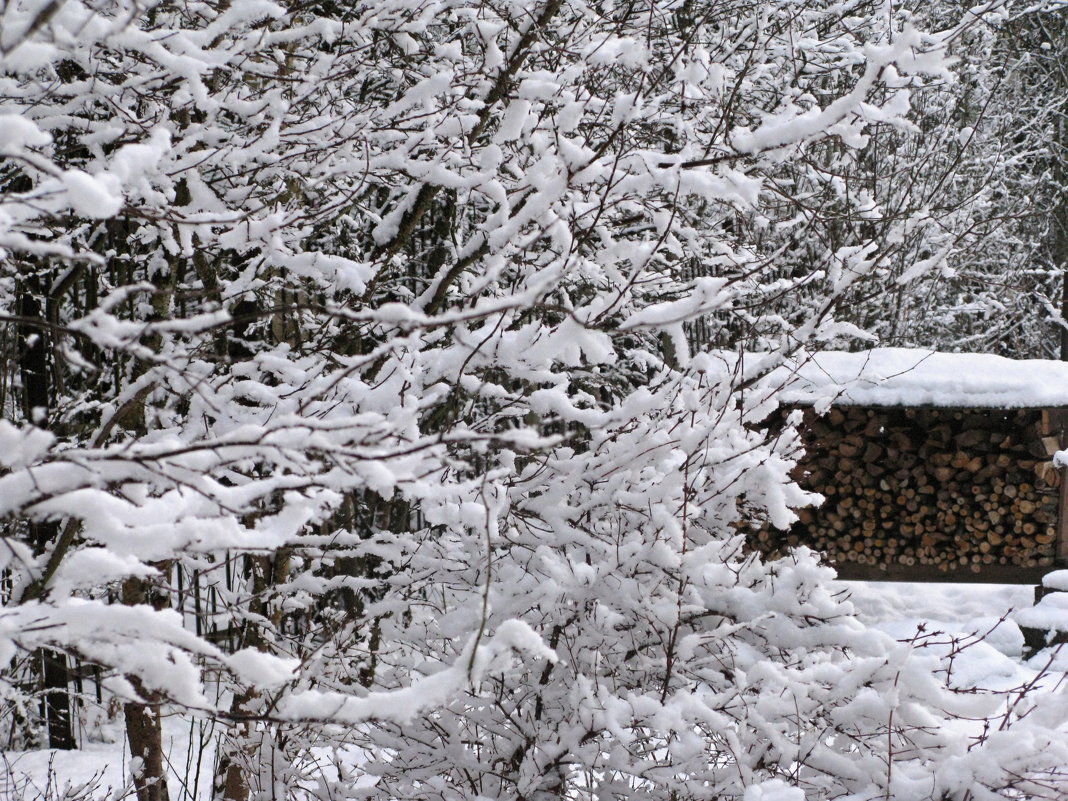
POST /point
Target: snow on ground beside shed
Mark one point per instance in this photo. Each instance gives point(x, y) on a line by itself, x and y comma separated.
point(879, 602)
point(914, 377)
point(960, 611)
point(1050, 613)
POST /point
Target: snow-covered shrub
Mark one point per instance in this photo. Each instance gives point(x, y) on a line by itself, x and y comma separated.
point(357, 355)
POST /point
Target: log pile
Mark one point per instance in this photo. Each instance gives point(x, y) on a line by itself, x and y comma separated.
point(952, 489)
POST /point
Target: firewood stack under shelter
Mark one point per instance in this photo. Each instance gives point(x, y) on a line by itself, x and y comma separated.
point(933, 466)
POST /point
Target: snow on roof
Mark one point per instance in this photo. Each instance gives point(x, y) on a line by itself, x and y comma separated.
point(911, 377)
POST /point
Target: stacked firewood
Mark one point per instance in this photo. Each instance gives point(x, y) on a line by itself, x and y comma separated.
point(948, 488)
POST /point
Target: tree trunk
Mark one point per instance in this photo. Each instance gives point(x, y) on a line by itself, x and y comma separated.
point(236, 762)
point(56, 704)
point(144, 728)
point(36, 396)
point(145, 734)
point(1059, 71)
point(233, 770)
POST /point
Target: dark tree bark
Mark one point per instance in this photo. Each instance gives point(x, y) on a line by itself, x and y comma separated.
point(232, 771)
point(33, 347)
point(144, 728)
point(1060, 221)
point(145, 734)
point(56, 676)
point(237, 748)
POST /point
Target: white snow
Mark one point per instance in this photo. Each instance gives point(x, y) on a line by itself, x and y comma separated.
point(773, 790)
point(17, 132)
point(984, 618)
point(901, 609)
point(916, 377)
point(1057, 580)
point(879, 602)
point(1051, 613)
point(95, 196)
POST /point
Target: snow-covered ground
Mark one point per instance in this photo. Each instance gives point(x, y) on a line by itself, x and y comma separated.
point(963, 612)
point(97, 770)
point(898, 606)
point(900, 609)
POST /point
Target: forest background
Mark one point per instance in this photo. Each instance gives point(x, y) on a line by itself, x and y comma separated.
point(384, 382)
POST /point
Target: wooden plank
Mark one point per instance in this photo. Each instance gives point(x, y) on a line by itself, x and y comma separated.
point(1059, 424)
point(990, 574)
point(1061, 543)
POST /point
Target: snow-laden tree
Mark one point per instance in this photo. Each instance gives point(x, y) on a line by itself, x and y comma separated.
point(1008, 292)
point(987, 174)
point(389, 362)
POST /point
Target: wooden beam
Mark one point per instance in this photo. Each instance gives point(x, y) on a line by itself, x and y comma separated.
point(1059, 424)
point(989, 574)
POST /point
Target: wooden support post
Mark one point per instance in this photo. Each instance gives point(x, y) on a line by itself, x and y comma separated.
point(1060, 557)
point(1058, 421)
